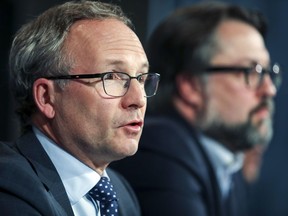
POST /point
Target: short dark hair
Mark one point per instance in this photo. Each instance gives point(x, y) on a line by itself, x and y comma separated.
point(185, 41)
point(38, 47)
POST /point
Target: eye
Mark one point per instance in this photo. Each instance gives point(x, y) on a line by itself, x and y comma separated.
point(113, 76)
point(142, 78)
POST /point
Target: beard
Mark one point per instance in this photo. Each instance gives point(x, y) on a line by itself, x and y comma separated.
point(239, 136)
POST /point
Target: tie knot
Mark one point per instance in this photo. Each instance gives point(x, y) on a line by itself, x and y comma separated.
point(103, 191)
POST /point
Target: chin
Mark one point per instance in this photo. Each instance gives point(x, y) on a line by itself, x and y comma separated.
point(129, 149)
point(123, 155)
point(132, 150)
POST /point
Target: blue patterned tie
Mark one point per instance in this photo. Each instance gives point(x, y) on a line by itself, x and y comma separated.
point(104, 193)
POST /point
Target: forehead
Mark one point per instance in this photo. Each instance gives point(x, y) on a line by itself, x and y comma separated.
point(239, 43)
point(95, 41)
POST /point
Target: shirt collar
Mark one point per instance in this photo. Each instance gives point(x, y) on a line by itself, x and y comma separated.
point(221, 157)
point(77, 177)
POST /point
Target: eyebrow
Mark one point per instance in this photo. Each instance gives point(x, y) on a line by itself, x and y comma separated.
point(121, 63)
point(254, 62)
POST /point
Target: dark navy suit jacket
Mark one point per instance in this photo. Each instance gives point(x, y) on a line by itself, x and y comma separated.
point(172, 174)
point(30, 184)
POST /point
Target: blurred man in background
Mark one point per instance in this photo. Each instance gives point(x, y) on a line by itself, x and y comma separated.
point(214, 103)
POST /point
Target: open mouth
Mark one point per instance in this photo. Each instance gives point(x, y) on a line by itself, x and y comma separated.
point(136, 124)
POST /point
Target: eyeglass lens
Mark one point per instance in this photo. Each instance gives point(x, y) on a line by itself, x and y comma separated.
point(117, 84)
point(256, 76)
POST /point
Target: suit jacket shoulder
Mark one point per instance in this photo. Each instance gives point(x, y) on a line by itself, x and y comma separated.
point(27, 176)
point(21, 189)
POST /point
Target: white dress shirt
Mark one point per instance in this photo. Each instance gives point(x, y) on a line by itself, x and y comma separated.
point(224, 162)
point(77, 178)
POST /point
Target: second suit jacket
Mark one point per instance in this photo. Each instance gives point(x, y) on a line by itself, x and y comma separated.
point(30, 184)
point(172, 174)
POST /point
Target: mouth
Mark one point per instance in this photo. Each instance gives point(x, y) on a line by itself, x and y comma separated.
point(134, 126)
point(265, 109)
point(261, 114)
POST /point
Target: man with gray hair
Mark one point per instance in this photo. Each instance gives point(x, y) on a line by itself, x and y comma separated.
point(81, 82)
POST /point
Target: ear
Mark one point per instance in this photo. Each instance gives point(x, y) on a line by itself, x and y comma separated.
point(190, 89)
point(43, 93)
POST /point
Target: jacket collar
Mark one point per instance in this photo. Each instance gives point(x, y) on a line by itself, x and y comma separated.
point(29, 146)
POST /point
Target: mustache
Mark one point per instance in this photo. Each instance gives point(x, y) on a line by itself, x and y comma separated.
point(265, 103)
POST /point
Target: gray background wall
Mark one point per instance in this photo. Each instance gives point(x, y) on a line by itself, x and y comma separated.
point(271, 192)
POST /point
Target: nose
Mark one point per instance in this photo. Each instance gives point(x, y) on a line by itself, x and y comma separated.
point(267, 87)
point(135, 96)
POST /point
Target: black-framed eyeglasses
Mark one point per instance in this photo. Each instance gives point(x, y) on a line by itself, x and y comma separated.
point(116, 84)
point(254, 75)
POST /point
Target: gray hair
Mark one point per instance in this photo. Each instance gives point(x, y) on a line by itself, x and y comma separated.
point(38, 47)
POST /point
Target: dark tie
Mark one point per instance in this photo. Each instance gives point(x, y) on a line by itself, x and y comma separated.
point(104, 193)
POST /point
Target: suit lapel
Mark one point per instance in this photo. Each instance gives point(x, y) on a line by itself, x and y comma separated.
point(213, 188)
point(192, 146)
point(30, 148)
point(128, 204)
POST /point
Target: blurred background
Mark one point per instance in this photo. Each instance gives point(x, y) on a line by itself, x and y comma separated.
point(270, 193)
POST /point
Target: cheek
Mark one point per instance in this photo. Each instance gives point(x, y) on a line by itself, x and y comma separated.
point(83, 109)
point(96, 114)
point(232, 103)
